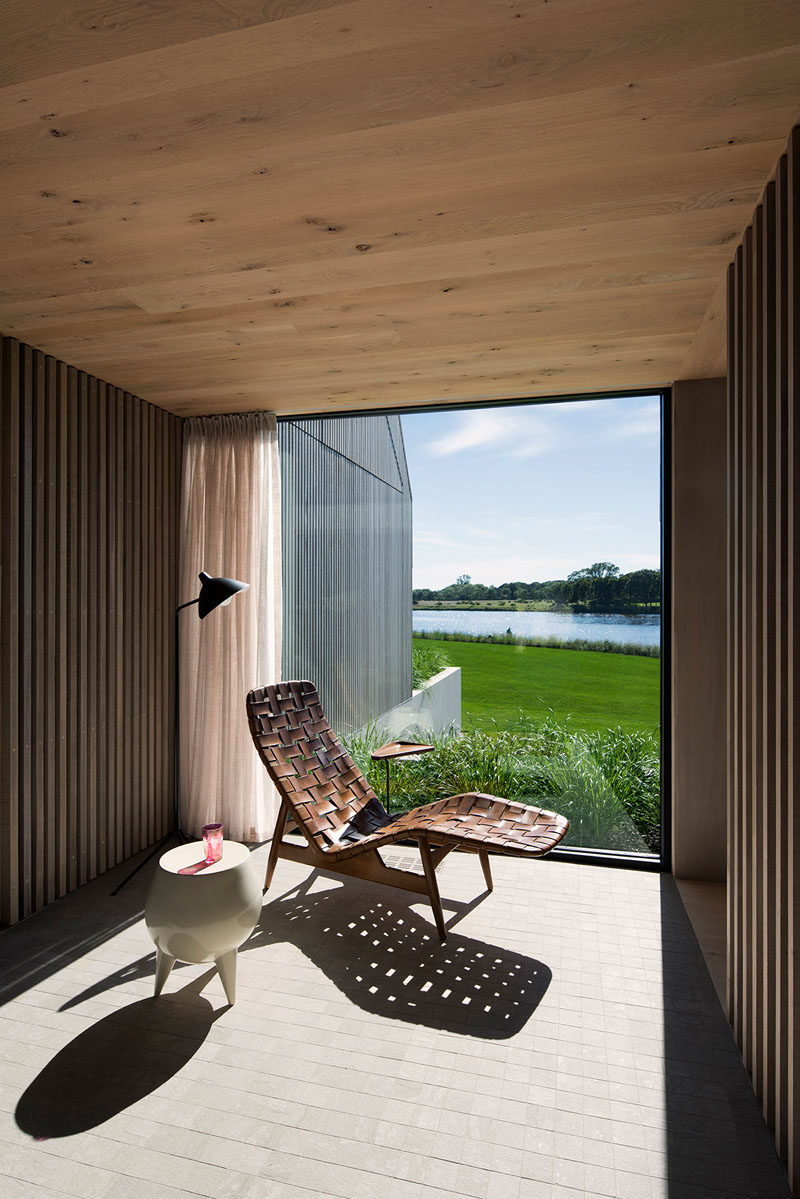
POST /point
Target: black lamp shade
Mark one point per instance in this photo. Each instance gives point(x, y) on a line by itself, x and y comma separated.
point(215, 592)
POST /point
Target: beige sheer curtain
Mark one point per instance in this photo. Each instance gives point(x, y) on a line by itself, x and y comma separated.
point(230, 525)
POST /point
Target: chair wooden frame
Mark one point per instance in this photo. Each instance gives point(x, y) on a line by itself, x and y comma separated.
point(345, 824)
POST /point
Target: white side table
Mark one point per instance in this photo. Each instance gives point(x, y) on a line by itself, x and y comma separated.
point(202, 917)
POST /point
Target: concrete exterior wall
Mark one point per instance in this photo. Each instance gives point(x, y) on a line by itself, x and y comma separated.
point(436, 707)
point(346, 525)
point(699, 629)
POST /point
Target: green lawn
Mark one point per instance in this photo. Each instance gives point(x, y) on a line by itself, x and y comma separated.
point(598, 691)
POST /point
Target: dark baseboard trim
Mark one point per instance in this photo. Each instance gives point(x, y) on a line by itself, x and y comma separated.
point(608, 857)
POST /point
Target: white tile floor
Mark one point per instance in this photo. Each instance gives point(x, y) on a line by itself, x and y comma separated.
point(565, 1042)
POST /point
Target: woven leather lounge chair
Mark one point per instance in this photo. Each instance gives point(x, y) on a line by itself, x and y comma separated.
point(345, 824)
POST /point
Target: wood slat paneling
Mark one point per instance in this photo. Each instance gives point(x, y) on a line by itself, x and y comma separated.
point(61, 662)
point(24, 565)
point(764, 654)
point(88, 517)
point(121, 739)
point(793, 653)
point(72, 713)
point(9, 632)
point(768, 585)
point(782, 640)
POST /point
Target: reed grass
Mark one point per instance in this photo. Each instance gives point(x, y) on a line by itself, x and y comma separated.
point(426, 661)
point(575, 643)
point(606, 783)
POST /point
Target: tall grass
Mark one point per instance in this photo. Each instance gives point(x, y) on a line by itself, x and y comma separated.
point(426, 661)
point(606, 783)
point(579, 643)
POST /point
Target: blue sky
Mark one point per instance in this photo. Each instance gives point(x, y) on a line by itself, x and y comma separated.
point(531, 493)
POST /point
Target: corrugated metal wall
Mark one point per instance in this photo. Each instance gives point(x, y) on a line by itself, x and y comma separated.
point(89, 490)
point(764, 654)
point(347, 563)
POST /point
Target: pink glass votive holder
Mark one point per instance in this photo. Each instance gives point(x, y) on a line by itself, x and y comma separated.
point(212, 842)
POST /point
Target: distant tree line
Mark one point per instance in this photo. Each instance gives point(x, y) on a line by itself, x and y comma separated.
point(598, 586)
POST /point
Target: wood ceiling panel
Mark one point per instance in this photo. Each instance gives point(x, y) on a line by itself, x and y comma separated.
point(390, 196)
point(109, 169)
point(568, 250)
point(314, 205)
point(558, 369)
point(44, 36)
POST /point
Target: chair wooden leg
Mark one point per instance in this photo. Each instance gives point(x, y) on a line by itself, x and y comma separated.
point(277, 837)
point(487, 870)
point(433, 887)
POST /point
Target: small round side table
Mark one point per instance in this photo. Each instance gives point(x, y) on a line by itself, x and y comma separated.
point(398, 749)
point(203, 916)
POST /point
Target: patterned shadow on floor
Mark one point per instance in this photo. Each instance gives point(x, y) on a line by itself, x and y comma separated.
point(389, 961)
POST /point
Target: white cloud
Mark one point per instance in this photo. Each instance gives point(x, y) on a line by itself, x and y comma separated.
point(519, 434)
point(475, 429)
point(572, 406)
point(485, 506)
point(644, 423)
point(537, 445)
point(599, 405)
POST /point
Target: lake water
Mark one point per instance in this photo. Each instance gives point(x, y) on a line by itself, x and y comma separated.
point(636, 630)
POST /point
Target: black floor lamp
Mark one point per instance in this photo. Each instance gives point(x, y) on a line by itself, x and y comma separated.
point(214, 593)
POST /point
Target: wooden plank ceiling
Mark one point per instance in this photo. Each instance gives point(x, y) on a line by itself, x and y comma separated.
point(308, 205)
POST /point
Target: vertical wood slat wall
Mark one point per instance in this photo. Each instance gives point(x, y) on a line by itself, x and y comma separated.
point(764, 654)
point(89, 479)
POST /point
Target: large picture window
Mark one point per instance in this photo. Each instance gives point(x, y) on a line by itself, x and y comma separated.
point(531, 552)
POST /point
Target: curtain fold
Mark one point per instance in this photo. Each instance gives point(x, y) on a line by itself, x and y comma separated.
point(230, 525)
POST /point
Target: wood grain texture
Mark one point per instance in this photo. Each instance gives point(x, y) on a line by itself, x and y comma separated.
point(734, 838)
point(784, 721)
point(708, 354)
point(9, 631)
point(76, 585)
point(793, 781)
point(314, 206)
point(763, 654)
point(769, 640)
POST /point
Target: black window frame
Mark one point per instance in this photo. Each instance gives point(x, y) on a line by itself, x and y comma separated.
point(662, 861)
